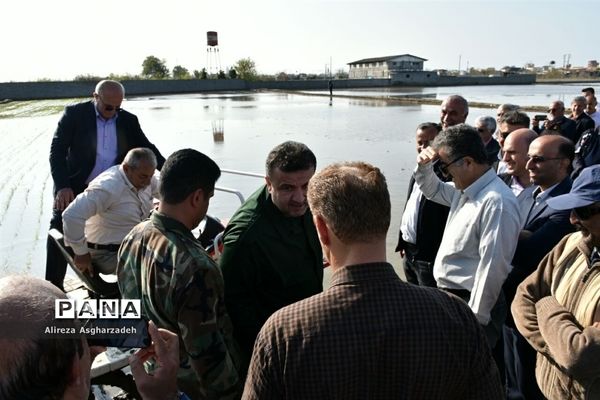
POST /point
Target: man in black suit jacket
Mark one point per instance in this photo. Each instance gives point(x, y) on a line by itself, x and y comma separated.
point(421, 230)
point(75, 158)
point(550, 158)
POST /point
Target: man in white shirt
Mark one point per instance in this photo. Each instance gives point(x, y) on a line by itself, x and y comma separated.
point(516, 176)
point(115, 201)
point(591, 110)
point(483, 224)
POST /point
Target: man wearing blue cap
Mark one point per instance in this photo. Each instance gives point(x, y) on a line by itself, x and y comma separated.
point(557, 308)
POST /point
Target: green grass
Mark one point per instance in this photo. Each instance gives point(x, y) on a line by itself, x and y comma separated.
point(33, 108)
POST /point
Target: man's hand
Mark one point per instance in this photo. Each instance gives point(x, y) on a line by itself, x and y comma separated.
point(426, 156)
point(63, 198)
point(165, 349)
point(83, 262)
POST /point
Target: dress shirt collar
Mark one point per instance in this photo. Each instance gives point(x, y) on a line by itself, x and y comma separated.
point(542, 196)
point(363, 272)
point(477, 186)
point(170, 224)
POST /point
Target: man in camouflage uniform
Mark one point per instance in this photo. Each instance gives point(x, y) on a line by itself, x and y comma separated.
point(180, 286)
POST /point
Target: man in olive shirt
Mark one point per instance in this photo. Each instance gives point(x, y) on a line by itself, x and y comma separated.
point(272, 256)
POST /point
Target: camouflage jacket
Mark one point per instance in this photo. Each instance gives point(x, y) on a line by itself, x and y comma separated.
point(181, 289)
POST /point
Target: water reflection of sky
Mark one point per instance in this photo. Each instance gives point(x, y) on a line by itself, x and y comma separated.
point(525, 95)
point(253, 122)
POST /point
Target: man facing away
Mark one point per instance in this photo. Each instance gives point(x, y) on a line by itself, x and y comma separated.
point(549, 158)
point(114, 202)
point(557, 307)
point(180, 287)
point(272, 256)
point(90, 138)
point(423, 222)
point(515, 158)
point(370, 335)
point(36, 366)
point(483, 224)
point(454, 111)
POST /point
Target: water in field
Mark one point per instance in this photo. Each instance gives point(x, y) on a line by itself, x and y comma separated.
point(251, 123)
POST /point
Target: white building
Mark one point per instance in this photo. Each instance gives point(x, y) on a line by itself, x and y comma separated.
point(385, 67)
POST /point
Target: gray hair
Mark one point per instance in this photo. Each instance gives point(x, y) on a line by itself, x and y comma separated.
point(459, 99)
point(487, 121)
point(135, 156)
point(461, 140)
point(579, 99)
point(518, 118)
point(509, 107)
point(108, 84)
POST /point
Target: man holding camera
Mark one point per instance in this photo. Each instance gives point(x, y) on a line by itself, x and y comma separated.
point(556, 122)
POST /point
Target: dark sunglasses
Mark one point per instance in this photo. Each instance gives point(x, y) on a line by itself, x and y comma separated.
point(108, 107)
point(540, 159)
point(444, 167)
point(586, 212)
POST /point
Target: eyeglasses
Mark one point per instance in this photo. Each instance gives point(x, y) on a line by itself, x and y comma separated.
point(481, 130)
point(586, 212)
point(108, 107)
point(444, 167)
point(551, 110)
point(541, 159)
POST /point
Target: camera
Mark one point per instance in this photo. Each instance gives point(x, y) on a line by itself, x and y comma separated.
point(540, 117)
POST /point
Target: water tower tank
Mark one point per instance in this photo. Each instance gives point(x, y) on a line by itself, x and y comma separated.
point(211, 38)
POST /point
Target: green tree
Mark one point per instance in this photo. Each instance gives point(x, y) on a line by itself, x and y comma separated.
point(221, 75)
point(154, 68)
point(203, 74)
point(180, 72)
point(246, 69)
point(232, 73)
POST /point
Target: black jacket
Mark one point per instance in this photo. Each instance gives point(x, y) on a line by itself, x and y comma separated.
point(73, 148)
point(430, 224)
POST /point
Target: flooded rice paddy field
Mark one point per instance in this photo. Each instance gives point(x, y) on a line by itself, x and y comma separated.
point(375, 131)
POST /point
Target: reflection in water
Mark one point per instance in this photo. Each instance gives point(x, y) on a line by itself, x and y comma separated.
point(218, 131)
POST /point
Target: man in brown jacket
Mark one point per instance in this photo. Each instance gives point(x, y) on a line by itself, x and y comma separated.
point(557, 308)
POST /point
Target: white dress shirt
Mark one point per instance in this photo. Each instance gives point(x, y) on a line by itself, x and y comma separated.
point(107, 210)
point(479, 239)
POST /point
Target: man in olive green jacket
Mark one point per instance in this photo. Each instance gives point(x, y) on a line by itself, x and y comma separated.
point(272, 256)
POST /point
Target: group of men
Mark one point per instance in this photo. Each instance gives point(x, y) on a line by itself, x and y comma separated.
point(500, 226)
point(262, 312)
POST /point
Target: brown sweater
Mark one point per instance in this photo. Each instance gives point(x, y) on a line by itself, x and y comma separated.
point(554, 309)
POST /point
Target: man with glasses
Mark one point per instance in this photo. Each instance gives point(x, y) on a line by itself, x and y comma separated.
point(548, 161)
point(556, 122)
point(557, 307)
point(484, 221)
point(90, 138)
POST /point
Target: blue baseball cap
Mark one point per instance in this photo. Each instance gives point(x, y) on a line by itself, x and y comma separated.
point(585, 191)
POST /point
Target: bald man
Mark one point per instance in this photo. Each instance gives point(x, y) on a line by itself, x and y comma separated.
point(454, 111)
point(90, 138)
point(549, 159)
point(515, 158)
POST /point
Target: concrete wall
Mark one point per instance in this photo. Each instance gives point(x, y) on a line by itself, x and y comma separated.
point(56, 90)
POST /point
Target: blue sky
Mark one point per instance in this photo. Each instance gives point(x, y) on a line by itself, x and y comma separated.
point(63, 38)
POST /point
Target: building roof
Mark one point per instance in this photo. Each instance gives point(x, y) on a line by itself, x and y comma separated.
point(387, 58)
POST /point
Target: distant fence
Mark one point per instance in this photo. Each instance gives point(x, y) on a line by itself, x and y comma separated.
point(58, 90)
